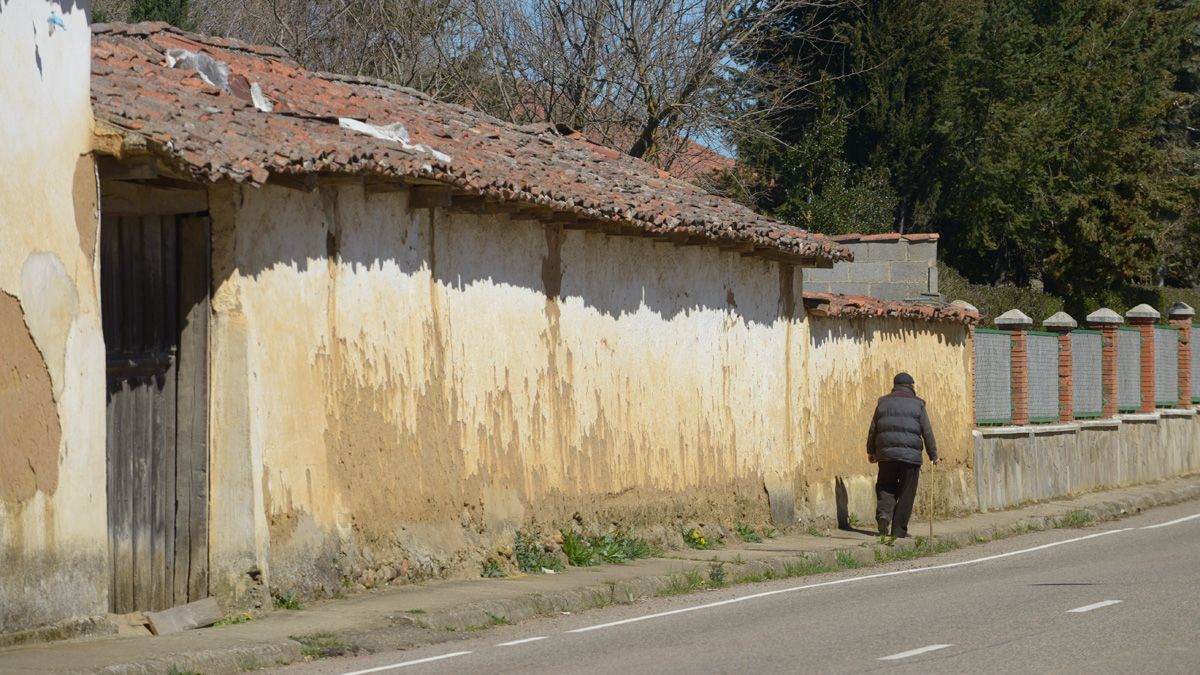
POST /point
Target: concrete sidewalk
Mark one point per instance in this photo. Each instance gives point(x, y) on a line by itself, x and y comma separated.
point(405, 616)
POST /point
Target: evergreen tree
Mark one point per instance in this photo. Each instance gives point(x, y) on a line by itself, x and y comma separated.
point(175, 12)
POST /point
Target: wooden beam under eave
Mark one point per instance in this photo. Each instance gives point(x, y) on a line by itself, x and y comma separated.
point(121, 198)
point(430, 197)
point(304, 183)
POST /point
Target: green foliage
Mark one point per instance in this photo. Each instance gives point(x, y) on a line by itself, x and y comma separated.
point(532, 556)
point(695, 539)
point(804, 567)
point(614, 547)
point(992, 301)
point(494, 620)
point(1047, 141)
point(287, 601)
point(175, 12)
point(492, 569)
point(747, 534)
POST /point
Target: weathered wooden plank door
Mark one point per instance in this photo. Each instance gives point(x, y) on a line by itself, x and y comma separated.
point(154, 285)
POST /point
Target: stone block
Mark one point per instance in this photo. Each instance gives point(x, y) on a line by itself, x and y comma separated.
point(886, 250)
point(932, 286)
point(850, 288)
point(839, 272)
point(859, 250)
point(923, 251)
point(914, 273)
point(818, 287)
point(869, 272)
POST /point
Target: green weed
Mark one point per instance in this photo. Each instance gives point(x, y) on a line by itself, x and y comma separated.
point(1076, 518)
point(532, 555)
point(324, 645)
point(847, 561)
point(815, 531)
point(492, 569)
point(287, 601)
point(698, 541)
point(233, 619)
point(804, 567)
point(494, 620)
point(579, 553)
point(748, 534)
point(678, 584)
point(716, 574)
point(414, 611)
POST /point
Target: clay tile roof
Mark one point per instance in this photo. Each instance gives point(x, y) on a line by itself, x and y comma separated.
point(885, 237)
point(861, 306)
point(214, 134)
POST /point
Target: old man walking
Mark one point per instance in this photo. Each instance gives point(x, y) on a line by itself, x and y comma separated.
point(899, 429)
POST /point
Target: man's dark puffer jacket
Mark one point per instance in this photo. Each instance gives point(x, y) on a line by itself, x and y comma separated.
point(899, 425)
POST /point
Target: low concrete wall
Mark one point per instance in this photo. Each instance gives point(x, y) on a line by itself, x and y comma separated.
point(1015, 465)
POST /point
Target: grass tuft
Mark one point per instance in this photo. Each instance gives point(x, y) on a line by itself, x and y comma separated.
point(1076, 518)
point(533, 556)
point(747, 533)
point(324, 645)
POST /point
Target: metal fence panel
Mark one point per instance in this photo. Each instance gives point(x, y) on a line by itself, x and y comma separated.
point(1043, 377)
point(993, 377)
point(1129, 369)
point(1195, 363)
point(1166, 366)
point(1087, 365)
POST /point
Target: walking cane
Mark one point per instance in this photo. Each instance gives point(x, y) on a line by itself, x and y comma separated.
point(932, 481)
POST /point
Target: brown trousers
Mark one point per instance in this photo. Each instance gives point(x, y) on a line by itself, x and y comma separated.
point(895, 490)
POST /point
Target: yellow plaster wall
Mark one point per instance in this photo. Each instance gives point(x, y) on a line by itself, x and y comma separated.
point(850, 364)
point(418, 389)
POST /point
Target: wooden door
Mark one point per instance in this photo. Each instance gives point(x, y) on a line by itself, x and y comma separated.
point(154, 284)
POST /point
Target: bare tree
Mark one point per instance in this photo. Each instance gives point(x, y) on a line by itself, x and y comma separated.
point(647, 77)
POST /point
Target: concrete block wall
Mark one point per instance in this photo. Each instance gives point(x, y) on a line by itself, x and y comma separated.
point(886, 266)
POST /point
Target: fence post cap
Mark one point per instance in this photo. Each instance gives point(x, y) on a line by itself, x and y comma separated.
point(1105, 315)
point(1181, 310)
point(1015, 318)
point(963, 304)
point(1060, 321)
point(1142, 311)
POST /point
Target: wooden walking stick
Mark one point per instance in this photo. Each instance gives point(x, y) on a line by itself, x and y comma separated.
point(932, 476)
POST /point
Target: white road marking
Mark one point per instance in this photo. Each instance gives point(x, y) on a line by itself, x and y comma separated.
point(521, 642)
point(1097, 605)
point(913, 652)
point(403, 664)
point(838, 582)
point(1172, 522)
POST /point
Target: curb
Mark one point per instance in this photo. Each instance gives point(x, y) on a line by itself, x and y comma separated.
point(476, 616)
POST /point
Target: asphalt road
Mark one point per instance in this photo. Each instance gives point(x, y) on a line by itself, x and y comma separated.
point(1123, 597)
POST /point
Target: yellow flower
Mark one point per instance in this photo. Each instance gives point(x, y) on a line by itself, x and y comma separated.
point(702, 540)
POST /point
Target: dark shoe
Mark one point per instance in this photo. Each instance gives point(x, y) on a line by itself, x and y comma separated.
point(902, 535)
point(883, 525)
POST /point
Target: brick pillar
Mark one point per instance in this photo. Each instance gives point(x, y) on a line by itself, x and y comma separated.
point(1062, 324)
point(1181, 317)
point(1143, 317)
point(1107, 321)
point(1016, 321)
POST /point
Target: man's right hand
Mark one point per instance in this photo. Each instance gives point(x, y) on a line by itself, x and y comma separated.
point(871, 459)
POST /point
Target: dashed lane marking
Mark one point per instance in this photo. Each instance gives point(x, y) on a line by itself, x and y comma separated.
point(913, 652)
point(404, 664)
point(1095, 605)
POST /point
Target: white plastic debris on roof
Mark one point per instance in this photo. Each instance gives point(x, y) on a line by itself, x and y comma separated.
point(210, 70)
point(260, 101)
point(394, 132)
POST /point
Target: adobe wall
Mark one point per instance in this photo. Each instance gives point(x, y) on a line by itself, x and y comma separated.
point(850, 364)
point(53, 542)
point(396, 391)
